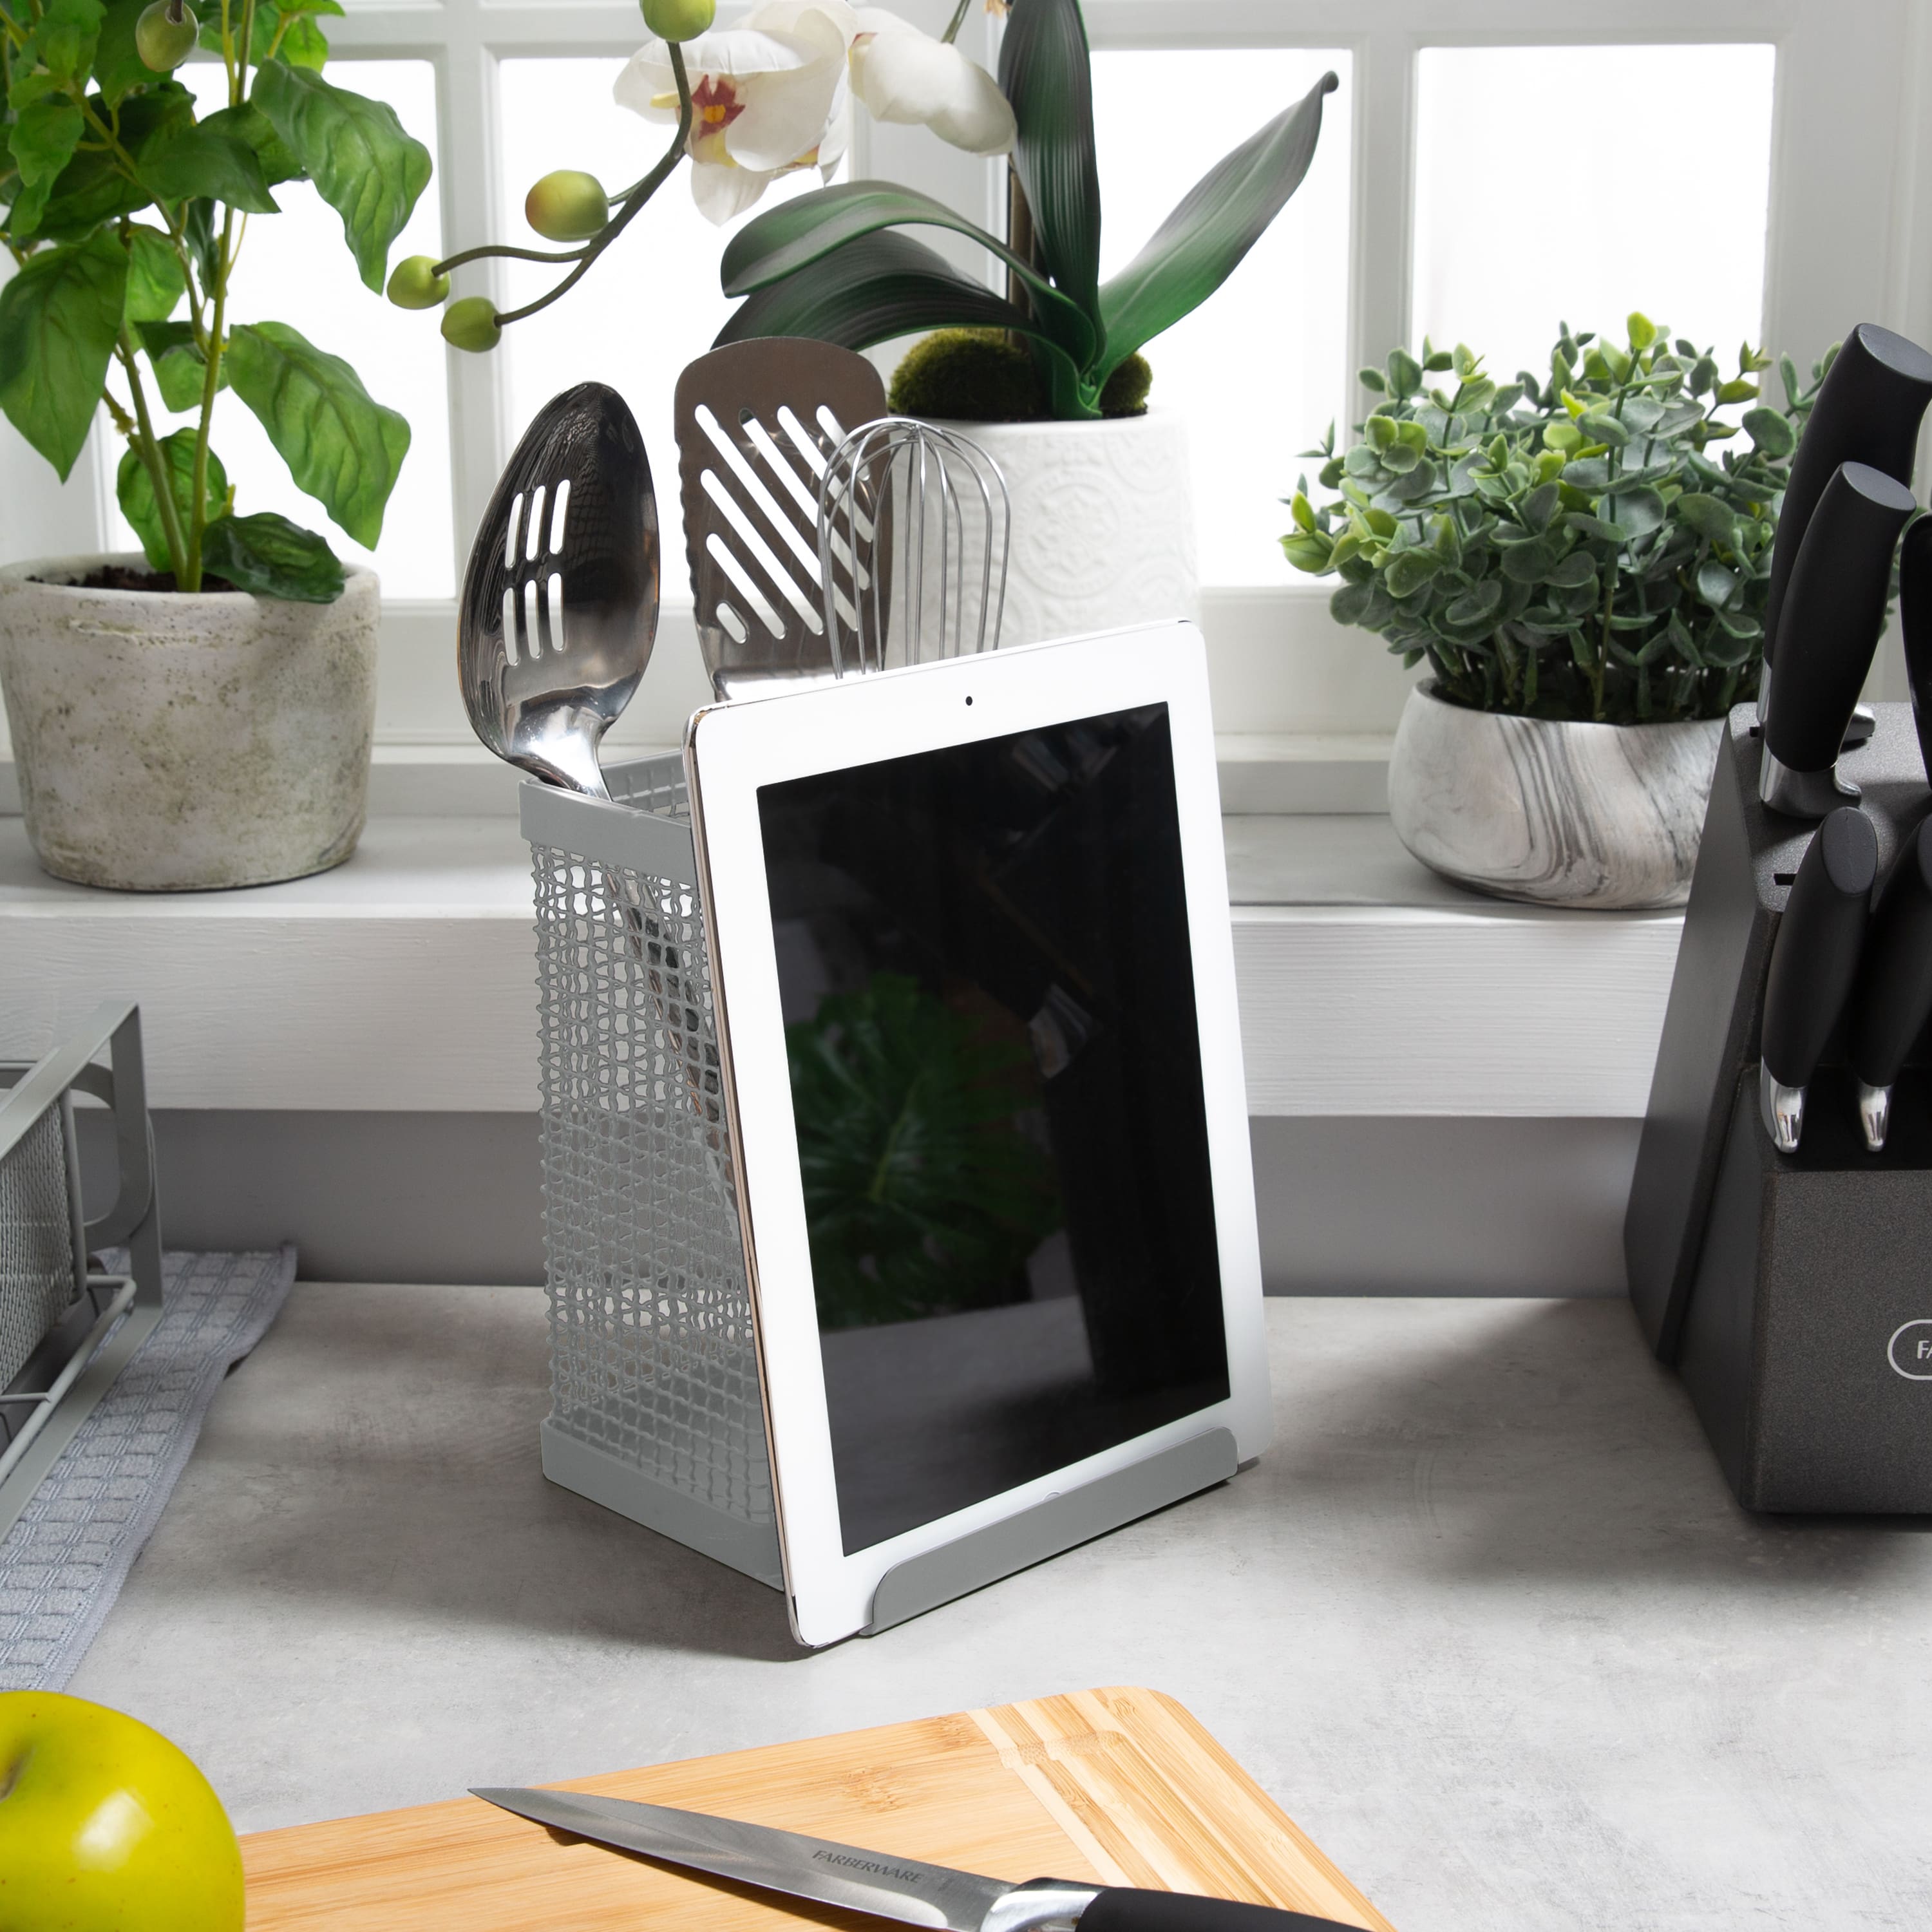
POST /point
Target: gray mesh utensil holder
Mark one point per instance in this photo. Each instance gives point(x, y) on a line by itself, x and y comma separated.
point(67, 1330)
point(655, 1410)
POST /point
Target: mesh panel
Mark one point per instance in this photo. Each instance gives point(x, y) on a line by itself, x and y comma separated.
point(653, 1359)
point(37, 1271)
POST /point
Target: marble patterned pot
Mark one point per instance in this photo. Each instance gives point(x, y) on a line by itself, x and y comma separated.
point(1103, 523)
point(1597, 816)
point(172, 743)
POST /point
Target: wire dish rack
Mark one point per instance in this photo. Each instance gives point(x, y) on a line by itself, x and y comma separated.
point(655, 1410)
point(67, 1330)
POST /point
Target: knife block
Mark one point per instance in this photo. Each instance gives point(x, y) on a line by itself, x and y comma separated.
point(1806, 1343)
point(1722, 1231)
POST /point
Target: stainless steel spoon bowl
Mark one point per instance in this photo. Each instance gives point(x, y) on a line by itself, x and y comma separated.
point(560, 600)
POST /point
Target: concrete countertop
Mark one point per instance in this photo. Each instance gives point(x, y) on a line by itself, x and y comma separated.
point(1485, 1619)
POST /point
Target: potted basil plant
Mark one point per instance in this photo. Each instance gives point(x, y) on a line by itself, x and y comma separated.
point(200, 714)
point(1581, 562)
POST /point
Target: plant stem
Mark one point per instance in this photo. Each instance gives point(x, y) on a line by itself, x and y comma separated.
point(191, 579)
point(952, 33)
point(492, 249)
point(147, 447)
point(635, 201)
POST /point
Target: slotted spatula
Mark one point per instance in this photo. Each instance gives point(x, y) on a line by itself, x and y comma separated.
point(559, 611)
point(757, 423)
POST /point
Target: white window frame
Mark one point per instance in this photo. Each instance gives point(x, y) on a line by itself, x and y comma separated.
point(1851, 143)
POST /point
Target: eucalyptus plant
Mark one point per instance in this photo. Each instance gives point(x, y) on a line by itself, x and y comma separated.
point(125, 212)
point(1581, 546)
point(833, 264)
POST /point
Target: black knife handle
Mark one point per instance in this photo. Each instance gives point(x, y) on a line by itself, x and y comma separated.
point(1866, 411)
point(1892, 998)
point(1815, 956)
point(1121, 1909)
point(1915, 617)
point(1834, 611)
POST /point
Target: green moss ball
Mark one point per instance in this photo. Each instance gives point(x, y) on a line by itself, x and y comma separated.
point(968, 375)
point(1125, 390)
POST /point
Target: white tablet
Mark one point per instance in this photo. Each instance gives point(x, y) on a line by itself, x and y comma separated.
point(970, 937)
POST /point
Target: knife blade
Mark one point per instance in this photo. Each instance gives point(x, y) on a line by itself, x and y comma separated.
point(1813, 960)
point(1892, 998)
point(1834, 611)
point(1868, 411)
point(879, 1883)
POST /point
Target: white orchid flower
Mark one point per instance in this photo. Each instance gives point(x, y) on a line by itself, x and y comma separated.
point(902, 74)
point(769, 96)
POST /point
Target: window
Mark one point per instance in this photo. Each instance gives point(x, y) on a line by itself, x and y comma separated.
point(1738, 168)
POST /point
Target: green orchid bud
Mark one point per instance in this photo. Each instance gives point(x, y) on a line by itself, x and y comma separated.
point(567, 206)
point(679, 19)
point(471, 324)
point(165, 34)
point(414, 284)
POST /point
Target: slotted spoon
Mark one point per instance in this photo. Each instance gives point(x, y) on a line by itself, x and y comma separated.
point(559, 611)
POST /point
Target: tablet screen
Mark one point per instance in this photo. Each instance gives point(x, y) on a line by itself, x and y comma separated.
point(989, 995)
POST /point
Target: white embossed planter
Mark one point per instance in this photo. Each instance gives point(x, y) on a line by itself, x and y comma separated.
point(170, 743)
point(1103, 523)
point(1596, 816)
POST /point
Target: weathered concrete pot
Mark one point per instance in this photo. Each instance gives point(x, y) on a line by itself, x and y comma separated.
point(1102, 524)
point(1599, 816)
point(172, 743)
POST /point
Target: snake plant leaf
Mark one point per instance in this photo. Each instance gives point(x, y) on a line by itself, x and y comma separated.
point(60, 317)
point(203, 163)
point(268, 555)
point(1045, 73)
point(355, 150)
point(1199, 245)
point(810, 227)
point(922, 1194)
point(135, 489)
point(342, 447)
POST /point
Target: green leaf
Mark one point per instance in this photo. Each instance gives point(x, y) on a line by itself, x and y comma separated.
point(1530, 563)
point(136, 489)
point(118, 68)
point(1572, 572)
point(1708, 517)
point(343, 449)
point(922, 1192)
point(1405, 373)
point(809, 226)
point(878, 287)
point(1046, 74)
point(207, 163)
point(204, 240)
point(1350, 604)
point(267, 554)
point(92, 190)
point(42, 138)
point(354, 151)
point(1600, 427)
point(1716, 585)
point(1770, 432)
point(59, 318)
point(181, 370)
point(1200, 244)
point(1640, 511)
point(155, 283)
point(62, 42)
point(1409, 571)
point(1476, 604)
point(249, 125)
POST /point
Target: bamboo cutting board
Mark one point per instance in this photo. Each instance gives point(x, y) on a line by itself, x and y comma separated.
point(1119, 1787)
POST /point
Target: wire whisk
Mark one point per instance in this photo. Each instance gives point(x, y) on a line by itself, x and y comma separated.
point(940, 500)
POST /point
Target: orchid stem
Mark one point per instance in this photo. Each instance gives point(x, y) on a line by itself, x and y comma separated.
point(952, 33)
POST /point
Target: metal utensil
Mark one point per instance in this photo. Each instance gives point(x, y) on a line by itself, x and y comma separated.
point(887, 1887)
point(943, 500)
point(559, 611)
point(757, 423)
point(560, 604)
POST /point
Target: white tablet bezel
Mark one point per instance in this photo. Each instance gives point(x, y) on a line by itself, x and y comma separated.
point(732, 750)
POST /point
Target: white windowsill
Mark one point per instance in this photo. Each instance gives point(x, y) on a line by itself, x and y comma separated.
point(405, 980)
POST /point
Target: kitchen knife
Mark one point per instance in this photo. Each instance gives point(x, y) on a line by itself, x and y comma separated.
point(1813, 960)
point(1915, 618)
point(886, 1886)
point(1834, 610)
point(1866, 411)
point(1892, 998)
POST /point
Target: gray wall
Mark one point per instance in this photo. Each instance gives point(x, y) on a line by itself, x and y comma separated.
point(1347, 1207)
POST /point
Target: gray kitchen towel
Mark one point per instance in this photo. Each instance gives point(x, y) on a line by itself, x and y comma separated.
point(62, 1564)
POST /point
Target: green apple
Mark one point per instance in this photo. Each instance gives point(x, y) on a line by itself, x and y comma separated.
point(679, 19)
point(105, 1826)
point(469, 324)
point(165, 34)
point(567, 206)
point(415, 284)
